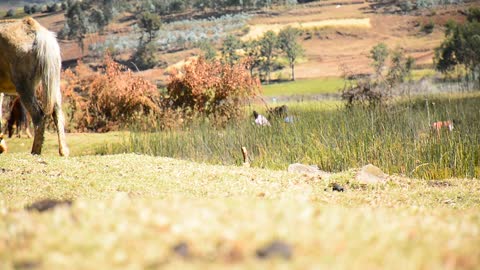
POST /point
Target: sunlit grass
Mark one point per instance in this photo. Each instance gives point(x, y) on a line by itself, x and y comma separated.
point(397, 138)
point(326, 85)
point(418, 74)
point(130, 210)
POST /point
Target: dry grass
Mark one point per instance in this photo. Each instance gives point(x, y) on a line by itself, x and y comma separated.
point(129, 211)
point(258, 30)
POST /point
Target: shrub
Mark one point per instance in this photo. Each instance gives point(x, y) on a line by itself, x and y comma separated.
point(10, 13)
point(212, 89)
point(428, 27)
point(27, 9)
point(376, 90)
point(145, 57)
point(107, 99)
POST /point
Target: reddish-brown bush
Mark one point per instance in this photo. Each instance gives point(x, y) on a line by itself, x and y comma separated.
point(107, 99)
point(211, 89)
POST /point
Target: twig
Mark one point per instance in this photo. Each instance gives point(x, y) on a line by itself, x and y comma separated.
point(246, 160)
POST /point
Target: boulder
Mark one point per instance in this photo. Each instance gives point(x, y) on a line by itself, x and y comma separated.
point(370, 174)
point(308, 169)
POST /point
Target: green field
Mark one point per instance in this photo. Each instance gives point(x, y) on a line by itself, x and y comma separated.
point(327, 85)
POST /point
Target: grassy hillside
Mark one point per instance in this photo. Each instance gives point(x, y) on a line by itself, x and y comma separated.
point(140, 212)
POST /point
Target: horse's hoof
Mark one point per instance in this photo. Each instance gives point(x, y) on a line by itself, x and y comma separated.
point(64, 152)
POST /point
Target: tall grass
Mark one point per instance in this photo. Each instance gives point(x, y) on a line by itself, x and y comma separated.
point(396, 138)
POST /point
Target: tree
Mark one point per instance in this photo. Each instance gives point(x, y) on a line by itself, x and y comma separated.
point(83, 17)
point(27, 9)
point(150, 23)
point(253, 52)
point(229, 49)
point(208, 50)
point(379, 54)
point(372, 91)
point(400, 68)
point(145, 57)
point(461, 46)
point(287, 39)
point(76, 24)
point(34, 9)
point(268, 46)
point(10, 13)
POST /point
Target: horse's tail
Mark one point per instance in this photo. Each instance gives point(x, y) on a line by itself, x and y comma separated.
point(49, 63)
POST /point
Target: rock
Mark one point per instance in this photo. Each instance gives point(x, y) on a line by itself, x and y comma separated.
point(182, 250)
point(275, 249)
point(302, 168)
point(370, 174)
point(308, 169)
point(47, 204)
point(337, 187)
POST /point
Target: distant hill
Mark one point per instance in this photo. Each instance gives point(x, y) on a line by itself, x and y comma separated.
point(7, 4)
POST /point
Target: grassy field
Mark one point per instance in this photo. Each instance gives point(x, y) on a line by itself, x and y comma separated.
point(326, 85)
point(396, 138)
point(134, 211)
point(304, 87)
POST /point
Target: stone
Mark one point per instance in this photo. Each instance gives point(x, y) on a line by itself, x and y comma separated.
point(370, 174)
point(275, 249)
point(308, 169)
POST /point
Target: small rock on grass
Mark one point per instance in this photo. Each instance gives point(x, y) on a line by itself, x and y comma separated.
point(47, 204)
point(337, 187)
point(182, 250)
point(275, 249)
point(370, 174)
point(308, 169)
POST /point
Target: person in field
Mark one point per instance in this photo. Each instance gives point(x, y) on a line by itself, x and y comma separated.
point(260, 119)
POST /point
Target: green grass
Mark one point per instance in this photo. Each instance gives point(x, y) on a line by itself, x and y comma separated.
point(130, 210)
point(326, 85)
point(19, 13)
point(396, 138)
point(418, 74)
point(79, 143)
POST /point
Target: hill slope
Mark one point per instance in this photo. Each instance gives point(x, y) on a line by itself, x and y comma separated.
point(341, 33)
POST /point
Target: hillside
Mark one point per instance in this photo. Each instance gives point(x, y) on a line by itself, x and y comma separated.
point(341, 33)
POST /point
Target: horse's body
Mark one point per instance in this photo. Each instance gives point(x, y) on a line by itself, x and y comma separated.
point(19, 118)
point(30, 54)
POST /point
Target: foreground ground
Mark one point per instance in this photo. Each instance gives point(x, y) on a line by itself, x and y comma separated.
point(141, 212)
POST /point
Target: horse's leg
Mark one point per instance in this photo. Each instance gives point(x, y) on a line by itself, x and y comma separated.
point(27, 126)
point(59, 121)
point(26, 91)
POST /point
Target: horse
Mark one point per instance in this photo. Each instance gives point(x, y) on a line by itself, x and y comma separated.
point(30, 54)
point(3, 144)
point(18, 117)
